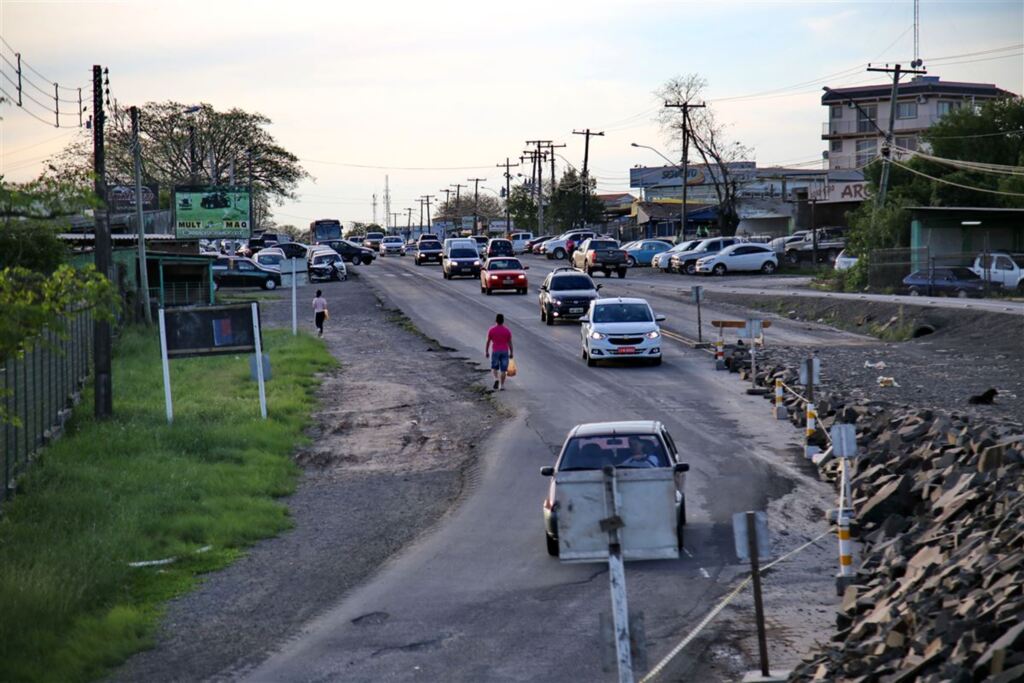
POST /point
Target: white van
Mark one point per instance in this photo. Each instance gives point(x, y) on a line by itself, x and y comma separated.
point(519, 240)
point(467, 242)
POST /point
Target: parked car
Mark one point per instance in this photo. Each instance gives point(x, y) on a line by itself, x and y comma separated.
point(642, 252)
point(738, 258)
point(621, 328)
point(461, 259)
point(560, 247)
point(662, 261)
point(534, 245)
point(351, 252)
point(239, 271)
point(293, 249)
point(634, 443)
point(428, 251)
point(271, 257)
point(499, 246)
point(600, 253)
point(957, 281)
point(685, 262)
point(392, 244)
point(779, 244)
point(481, 244)
point(520, 240)
point(372, 240)
point(503, 273)
point(326, 264)
point(1001, 268)
point(831, 241)
point(566, 294)
point(844, 261)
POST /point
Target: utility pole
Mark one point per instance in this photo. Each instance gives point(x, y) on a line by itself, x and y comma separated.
point(540, 181)
point(408, 225)
point(104, 403)
point(584, 178)
point(476, 199)
point(193, 176)
point(532, 156)
point(458, 203)
point(427, 198)
point(420, 200)
point(685, 107)
point(447, 202)
point(551, 151)
point(375, 208)
point(387, 200)
point(143, 295)
point(897, 71)
point(394, 219)
point(508, 179)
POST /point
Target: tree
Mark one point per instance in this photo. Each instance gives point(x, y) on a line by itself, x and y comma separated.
point(711, 140)
point(566, 205)
point(224, 141)
point(522, 207)
point(488, 207)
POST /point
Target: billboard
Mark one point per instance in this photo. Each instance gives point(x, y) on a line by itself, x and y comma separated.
point(212, 212)
point(121, 198)
point(209, 330)
point(696, 174)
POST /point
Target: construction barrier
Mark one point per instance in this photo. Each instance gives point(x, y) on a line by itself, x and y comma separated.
point(812, 425)
point(720, 354)
point(779, 409)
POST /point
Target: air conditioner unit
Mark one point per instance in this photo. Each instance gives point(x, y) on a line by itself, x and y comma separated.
point(921, 99)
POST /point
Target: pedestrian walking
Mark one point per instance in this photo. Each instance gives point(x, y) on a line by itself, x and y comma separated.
point(499, 348)
point(319, 312)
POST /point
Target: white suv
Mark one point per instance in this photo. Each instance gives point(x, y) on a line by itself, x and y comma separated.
point(621, 328)
point(557, 248)
point(740, 257)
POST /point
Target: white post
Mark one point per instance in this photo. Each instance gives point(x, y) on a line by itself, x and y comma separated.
point(295, 320)
point(259, 358)
point(167, 368)
point(753, 363)
point(617, 578)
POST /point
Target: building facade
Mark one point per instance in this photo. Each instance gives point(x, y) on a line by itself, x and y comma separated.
point(856, 115)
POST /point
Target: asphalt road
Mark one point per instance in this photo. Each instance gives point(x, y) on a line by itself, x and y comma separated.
point(478, 599)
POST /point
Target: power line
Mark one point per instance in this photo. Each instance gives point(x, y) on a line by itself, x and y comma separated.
point(960, 185)
point(8, 153)
point(36, 72)
point(395, 168)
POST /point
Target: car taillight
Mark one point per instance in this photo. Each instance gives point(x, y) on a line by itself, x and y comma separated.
point(593, 257)
point(521, 277)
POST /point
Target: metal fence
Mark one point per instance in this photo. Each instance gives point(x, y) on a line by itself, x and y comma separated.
point(888, 267)
point(37, 391)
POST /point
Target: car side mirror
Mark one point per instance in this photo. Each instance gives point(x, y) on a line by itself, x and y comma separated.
point(598, 286)
point(526, 267)
point(681, 467)
point(543, 288)
point(659, 318)
point(548, 470)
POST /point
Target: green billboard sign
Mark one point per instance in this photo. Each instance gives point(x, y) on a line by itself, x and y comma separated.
point(212, 212)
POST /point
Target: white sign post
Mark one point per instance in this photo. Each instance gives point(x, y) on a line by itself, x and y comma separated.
point(617, 577)
point(167, 368)
point(259, 358)
point(295, 319)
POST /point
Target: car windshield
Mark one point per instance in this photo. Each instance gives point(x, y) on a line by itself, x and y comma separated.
point(322, 259)
point(603, 244)
point(463, 253)
point(374, 235)
point(504, 264)
point(622, 313)
point(594, 452)
point(964, 274)
point(430, 245)
point(272, 259)
point(685, 246)
point(393, 240)
point(571, 282)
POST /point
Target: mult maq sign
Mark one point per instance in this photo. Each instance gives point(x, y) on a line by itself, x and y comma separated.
point(210, 212)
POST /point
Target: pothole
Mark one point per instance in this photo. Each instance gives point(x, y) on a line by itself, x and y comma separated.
point(922, 331)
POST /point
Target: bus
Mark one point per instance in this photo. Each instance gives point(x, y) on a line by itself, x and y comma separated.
point(323, 230)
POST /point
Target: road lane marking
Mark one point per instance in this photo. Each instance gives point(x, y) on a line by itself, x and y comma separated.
point(704, 573)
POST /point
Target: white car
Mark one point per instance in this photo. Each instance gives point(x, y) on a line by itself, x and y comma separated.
point(271, 257)
point(621, 328)
point(661, 261)
point(392, 244)
point(557, 247)
point(743, 256)
point(519, 240)
point(844, 261)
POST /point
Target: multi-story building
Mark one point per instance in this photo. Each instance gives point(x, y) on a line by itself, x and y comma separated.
point(851, 133)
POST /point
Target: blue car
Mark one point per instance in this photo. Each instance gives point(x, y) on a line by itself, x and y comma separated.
point(642, 252)
point(960, 281)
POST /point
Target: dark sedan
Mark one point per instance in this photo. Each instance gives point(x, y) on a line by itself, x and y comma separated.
point(960, 281)
point(351, 252)
point(239, 271)
point(427, 252)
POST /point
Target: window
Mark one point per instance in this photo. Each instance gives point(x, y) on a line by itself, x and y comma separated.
point(906, 110)
point(1003, 263)
point(837, 111)
point(622, 313)
point(866, 150)
point(837, 146)
point(245, 265)
point(944, 108)
point(909, 142)
point(866, 116)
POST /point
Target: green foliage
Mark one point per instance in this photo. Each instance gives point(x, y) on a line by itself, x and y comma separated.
point(133, 488)
point(522, 208)
point(566, 203)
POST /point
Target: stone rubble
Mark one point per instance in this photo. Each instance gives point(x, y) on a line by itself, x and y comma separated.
point(939, 500)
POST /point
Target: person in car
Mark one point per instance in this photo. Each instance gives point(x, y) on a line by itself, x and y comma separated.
point(641, 454)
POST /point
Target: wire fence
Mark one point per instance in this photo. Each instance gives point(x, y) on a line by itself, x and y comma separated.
point(37, 390)
point(889, 267)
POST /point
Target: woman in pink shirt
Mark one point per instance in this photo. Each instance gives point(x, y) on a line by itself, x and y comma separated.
point(499, 348)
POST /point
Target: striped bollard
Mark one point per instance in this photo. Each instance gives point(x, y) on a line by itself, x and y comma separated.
point(720, 355)
point(845, 547)
point(778, 409)
point(812, 420)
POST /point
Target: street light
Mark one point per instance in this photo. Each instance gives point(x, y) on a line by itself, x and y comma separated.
point(192, 143)
point(682, 177)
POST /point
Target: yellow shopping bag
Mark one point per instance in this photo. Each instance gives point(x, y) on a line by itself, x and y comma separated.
point(512, 369)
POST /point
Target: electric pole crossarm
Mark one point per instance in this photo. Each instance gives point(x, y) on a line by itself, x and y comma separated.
point(685, 108)
point(584, 177)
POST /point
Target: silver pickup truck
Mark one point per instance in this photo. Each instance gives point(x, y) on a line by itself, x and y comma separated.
point(600, 253)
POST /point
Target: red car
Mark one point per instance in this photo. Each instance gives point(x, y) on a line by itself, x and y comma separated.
point(503, 273)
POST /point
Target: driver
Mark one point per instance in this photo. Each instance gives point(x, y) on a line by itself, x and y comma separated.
point(641, 455)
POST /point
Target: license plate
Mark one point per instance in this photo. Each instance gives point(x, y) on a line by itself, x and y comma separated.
point(626, 349)
point(575, 310)
point(506, 282)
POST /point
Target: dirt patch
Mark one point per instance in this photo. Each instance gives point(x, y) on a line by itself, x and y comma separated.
point(392, 448)
point(939, 358)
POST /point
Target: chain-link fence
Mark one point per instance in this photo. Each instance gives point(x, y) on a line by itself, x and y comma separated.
point(889, 267)
point(37, 390)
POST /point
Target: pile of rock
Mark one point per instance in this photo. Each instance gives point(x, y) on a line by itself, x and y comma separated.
point(939, 500)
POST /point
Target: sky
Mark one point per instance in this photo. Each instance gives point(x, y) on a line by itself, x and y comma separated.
point(433, 93)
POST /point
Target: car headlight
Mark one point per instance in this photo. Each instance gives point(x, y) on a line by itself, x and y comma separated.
point(476, 263)
point(598, 335)
point(654, 334)
point(556, 302)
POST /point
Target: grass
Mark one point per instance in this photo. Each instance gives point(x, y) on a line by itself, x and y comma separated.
point(133, 488)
